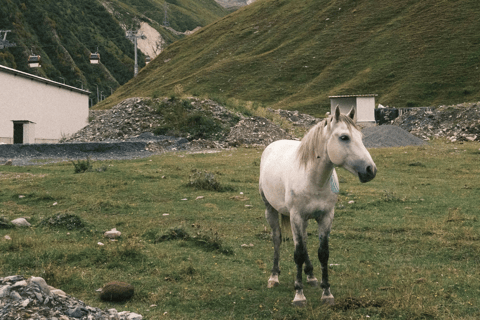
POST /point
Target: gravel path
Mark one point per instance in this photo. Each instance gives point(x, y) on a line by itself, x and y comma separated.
point(147, 144)
point(141, 147)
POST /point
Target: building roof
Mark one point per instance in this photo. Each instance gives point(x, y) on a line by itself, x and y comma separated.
point(354, 95)
point(40, 79)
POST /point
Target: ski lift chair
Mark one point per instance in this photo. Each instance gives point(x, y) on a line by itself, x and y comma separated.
point(34, 61)
point(94, 58)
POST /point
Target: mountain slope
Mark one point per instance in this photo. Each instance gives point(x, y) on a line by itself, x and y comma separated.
point(64, 33)
point(294, 54)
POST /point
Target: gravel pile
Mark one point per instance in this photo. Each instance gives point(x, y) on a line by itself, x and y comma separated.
point(456, 122)
point(389, 136)
point(33, 298)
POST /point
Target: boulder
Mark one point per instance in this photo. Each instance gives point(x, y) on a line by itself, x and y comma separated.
point(21, 222)
point(117, 291)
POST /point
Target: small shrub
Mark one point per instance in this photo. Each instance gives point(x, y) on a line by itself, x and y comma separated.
point(208, 241)
point(178, 89)
point(82, 166)
point(174, 234)
point(205, 180)
point(5, 224)
point(156, 94)
point(64, 221)
point(389, 196)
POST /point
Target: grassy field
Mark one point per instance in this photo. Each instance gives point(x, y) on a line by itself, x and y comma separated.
point(406, 248)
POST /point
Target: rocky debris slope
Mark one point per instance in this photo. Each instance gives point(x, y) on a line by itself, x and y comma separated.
point(32, 298)
point(134, 116)
point(456, 122)
point(129, 118)
point(256, 131)
point(296, 118)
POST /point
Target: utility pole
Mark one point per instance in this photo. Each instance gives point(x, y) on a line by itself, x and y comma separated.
point(4, 43)
point(133, 36)
point(165, 17)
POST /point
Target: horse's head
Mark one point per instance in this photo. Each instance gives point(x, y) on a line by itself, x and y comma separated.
point(345, 147)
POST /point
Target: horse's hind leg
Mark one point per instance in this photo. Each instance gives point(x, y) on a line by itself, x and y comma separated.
point(272, 217)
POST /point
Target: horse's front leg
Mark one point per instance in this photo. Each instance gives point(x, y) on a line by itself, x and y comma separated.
point(323, 255)
point(272, 218)
point(300, 256)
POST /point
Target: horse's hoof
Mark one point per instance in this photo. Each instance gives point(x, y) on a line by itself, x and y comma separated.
point(312, 282)
point(273, 281)
point(299, 300)
point(328, 300)
point(299, 303)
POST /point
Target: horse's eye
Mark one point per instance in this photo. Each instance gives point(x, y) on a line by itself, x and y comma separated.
point(344, 138)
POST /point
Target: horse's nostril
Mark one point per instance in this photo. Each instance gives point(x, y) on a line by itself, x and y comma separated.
point(371, 171)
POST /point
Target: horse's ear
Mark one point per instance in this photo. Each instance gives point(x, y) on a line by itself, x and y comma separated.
point(337, 113)
point(351, 114)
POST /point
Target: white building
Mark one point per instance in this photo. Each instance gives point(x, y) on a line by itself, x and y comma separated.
point(364, 105)
point(37, 110)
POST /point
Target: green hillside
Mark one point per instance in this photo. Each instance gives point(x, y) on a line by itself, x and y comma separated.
point(294, 54)
point(65, 32)
point(182, 15)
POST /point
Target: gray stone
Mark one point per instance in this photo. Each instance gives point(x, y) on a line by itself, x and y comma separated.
point(77, 312)
point(22, 283)
point(4, 291)
point(15, 295)
point(21, 222)
point(13, 278)
point(40, 282)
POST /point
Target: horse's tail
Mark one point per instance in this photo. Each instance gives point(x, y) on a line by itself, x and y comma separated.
point(287, 229)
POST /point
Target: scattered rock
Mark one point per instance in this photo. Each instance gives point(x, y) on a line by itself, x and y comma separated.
point(34, 299)
point(117, 291)
point(21, 222)
point(112, 234)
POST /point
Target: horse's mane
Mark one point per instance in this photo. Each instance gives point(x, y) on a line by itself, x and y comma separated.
point(313, 142)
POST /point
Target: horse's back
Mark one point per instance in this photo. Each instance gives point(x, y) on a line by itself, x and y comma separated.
point(279, 155)
point(275, 167)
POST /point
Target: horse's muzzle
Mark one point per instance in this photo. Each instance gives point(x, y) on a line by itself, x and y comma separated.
point(369, 174)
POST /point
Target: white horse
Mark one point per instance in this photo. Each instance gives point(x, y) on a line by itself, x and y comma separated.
point(295, 182)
